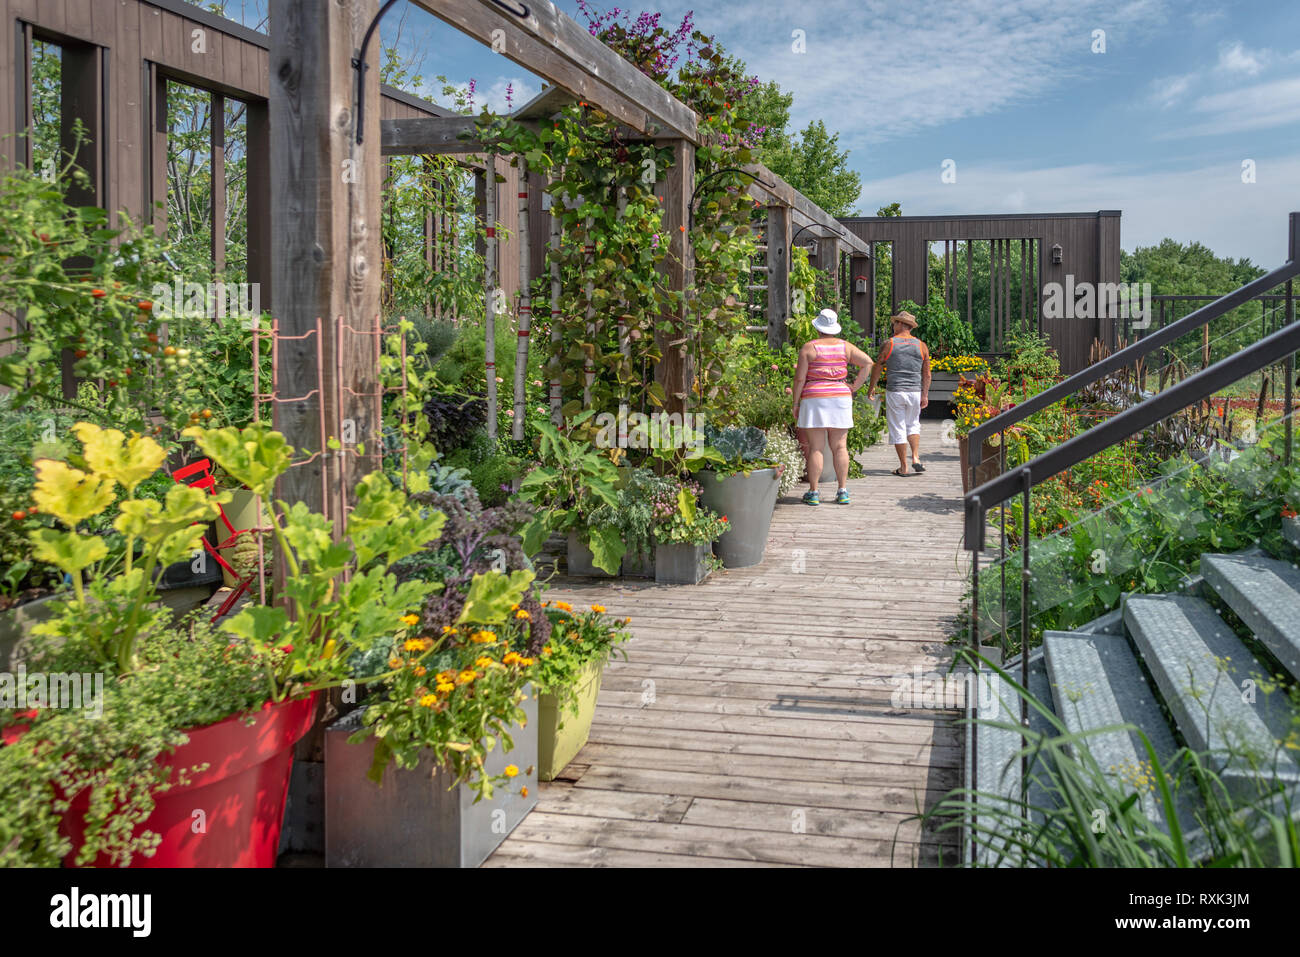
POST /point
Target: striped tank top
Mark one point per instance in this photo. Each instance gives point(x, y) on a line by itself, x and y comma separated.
point(827, 371)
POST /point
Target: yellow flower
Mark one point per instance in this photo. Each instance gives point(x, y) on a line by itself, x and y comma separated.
point(421, 671)
point(526, 662)
point(429, 700)
point(563, 606)
point(483, 637)
point(523, 791)
point(394, 663)
point(410, 619)
point(447, 629)
point(627, 621)
point(511, 770)
point(445, 687)
point(512, 658)
point(417, 644)
point(547, 650)
point(522, 614)
point(484, 662)
point(446, 676)
point(598, 609)
point(465, 677)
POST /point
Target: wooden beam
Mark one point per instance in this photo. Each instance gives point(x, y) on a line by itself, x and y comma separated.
point(494, 27)
point(862, 304)
point(575, 44)
point(778, 274)
point(430, 135)
point(674, 371)
point(769, 186)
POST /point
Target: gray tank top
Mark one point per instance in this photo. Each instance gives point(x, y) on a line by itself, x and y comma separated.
point(904, 365)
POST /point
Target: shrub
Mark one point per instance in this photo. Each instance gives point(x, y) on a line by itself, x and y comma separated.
point(785, 451)
point(941, 328)
point(454, 419)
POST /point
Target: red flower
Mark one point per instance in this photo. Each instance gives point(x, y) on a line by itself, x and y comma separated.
point(723, 519)
point(28, 714)
point(287, 649)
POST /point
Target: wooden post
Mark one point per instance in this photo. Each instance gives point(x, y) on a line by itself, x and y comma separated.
point(828, 260)
point(778, 274)
point(862, 304)
point(325, 234)
point(557, 393)
point(674, 372)
point(490, 265)
point(522, 238)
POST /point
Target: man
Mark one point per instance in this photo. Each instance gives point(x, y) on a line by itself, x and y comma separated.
point(907, 391)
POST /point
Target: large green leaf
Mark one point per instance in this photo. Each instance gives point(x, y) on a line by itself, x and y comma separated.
point(607, 548)
point(491, 596)
point(69, 551)
point(255, 455)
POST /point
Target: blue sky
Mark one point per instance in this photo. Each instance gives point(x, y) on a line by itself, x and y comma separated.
point(1158, 125)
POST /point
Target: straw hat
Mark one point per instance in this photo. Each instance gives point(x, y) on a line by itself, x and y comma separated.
point(906, 318)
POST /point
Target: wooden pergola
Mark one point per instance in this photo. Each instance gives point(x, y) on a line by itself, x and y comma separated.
point(327, 172)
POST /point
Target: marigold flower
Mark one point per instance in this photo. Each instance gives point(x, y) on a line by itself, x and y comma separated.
point(446, 676)
point(421, 671)
point(447, 629)
point(429, 700)
point(410, 619)
point(484, 662)
point(526, 662)
point(483, 637)
point(523, 615)
point(599, 609)
point(512, 658)
point(511, 770)
point(523, 792)
point(466, 677)
point(416, 644)
point(563, 606)
point(394, 663)
point(445, 687)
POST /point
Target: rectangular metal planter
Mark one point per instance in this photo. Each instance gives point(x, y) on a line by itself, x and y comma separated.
point(681, 564)
point(560, 732)
point(943, 385)
point(639, 564)
point(579, 560)
point(412, 820)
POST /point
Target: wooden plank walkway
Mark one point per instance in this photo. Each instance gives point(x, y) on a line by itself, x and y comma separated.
point(751, 724)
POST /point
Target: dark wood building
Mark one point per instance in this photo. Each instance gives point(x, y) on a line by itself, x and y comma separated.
point(1026, 253)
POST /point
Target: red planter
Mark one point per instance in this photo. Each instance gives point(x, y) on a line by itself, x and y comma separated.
point(241, 794)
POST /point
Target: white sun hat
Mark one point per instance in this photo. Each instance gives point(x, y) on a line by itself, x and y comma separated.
point(827, 321)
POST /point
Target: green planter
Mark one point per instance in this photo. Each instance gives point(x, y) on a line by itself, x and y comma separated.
point(561, 733)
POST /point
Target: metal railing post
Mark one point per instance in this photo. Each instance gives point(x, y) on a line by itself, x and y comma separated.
point(1024, 642)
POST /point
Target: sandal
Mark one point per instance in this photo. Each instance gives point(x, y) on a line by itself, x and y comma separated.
point(918, 467)
point(901, 474)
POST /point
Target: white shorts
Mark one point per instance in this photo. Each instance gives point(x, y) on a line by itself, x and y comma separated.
point(903, 413)
point(827, 412)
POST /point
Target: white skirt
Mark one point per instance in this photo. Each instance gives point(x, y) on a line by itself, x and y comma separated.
point(826, 412)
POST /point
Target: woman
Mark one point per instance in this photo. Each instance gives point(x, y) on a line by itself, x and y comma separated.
point(823, 400)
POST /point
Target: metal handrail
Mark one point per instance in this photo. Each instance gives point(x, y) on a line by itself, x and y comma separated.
point(1285, 342)
point(1129, 354)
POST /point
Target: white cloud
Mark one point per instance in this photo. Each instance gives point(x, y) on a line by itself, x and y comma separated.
point(882, 70)
point(1208, 203)
point(1257, 107)
point(1235, 58)
point(1168, 90)
point(494, 93)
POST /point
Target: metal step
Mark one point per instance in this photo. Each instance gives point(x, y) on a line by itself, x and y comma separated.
point(1098, 683)
point(1291, 530)
point(1214, 688)
point(1265, 594)
point(997, 765)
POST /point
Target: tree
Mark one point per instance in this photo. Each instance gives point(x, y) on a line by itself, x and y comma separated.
point(820, 170)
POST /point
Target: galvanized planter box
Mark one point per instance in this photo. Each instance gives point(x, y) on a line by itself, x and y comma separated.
point(412, 820)
point(747, 501)
point(16, 624)
point(560, 732)
point(639, 564)
point(579, 560)
point(681, 564)
point(943, 385)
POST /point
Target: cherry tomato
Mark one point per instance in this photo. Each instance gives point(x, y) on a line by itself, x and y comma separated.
point(19, 516)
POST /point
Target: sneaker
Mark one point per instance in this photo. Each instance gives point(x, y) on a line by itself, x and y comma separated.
point(811, 498)
point(842, 497)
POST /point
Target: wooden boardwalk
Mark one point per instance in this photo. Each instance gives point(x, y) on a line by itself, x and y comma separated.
point(752, 724)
